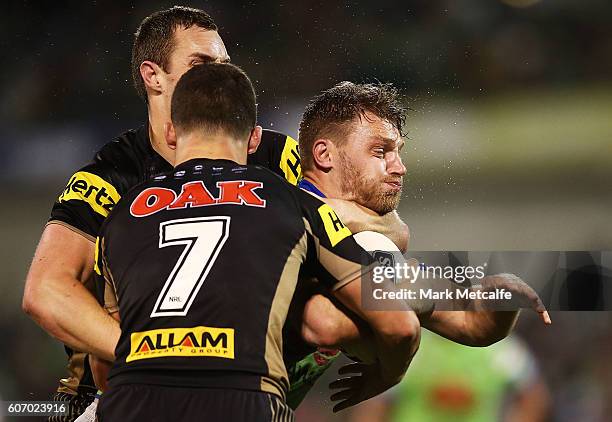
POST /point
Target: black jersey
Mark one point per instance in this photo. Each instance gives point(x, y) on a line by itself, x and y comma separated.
point(202, 264)
point(93, 191)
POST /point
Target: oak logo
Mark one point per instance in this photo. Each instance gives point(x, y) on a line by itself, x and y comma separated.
point(195, 194)
point(88, 187)
point(186, 342)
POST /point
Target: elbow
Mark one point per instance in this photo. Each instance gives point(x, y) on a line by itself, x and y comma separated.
point(324, 325)
point(32, 303)
point(29, 303)
point(498, 326)
point(405, 331)
point(321, 334)
point(483, 341)
point(486, 338)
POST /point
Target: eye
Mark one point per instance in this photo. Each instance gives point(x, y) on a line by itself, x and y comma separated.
point(196, 61)
point(379, 152)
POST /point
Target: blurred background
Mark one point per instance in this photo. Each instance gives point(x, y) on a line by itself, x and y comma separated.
point(509, 148)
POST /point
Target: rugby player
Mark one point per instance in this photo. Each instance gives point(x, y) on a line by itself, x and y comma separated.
point(350, 141)
point(202, 263)
point(58, 287)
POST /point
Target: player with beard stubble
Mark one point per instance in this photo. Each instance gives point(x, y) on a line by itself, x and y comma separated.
point(350, 142)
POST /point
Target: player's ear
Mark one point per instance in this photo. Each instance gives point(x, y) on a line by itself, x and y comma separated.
point(150, 73)
point(323, 151)
point(170, 135)
point(254, 139)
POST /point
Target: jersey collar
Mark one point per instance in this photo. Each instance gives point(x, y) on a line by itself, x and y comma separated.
point(205, 161)
point(310, 187)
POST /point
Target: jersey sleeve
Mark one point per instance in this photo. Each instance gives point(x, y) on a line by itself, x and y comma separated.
point(338, 258)
point(86, 201)
point(278, 152)
point(105, 285)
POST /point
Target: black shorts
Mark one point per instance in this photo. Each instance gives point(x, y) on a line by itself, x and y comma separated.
point(156, 403)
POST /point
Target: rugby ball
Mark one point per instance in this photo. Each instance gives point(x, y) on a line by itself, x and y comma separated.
point(373, 241)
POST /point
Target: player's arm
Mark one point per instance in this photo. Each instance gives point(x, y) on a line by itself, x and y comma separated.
point(471, 328)
point(325, 325)
point(396, 333)
point(359, 219)
point(395, 339)
point(107, 298)
point(56, 298)
point(338, 266)
point(480, 322)
point(100, 368)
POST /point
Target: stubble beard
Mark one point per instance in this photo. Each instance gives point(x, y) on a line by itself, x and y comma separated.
point(366, 192)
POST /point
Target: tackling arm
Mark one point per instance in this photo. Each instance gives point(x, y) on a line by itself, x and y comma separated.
point(359, 219)
point(481, 324)
point(396, 333)
point(471, 328)
point(100, 367)
point(56, 298)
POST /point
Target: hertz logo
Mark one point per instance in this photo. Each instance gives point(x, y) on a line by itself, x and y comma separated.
point(186, 342)
point(97, 192)
point(290, 161)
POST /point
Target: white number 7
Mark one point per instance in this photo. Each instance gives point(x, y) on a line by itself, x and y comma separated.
point(203, 238)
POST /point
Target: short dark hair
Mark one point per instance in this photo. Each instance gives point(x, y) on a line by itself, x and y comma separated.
point(328, 113)
point(154, 38)
point(215, 96)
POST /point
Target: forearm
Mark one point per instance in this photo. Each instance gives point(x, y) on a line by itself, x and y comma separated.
point(396, 334)
point(100, 369)
point(389, 225)
point(359, 219)
point(55, 302)
point(392, 226)
point(396, 351)
point(488, 327)
point(471, 328)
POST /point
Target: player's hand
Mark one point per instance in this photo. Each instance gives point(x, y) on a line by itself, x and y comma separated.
point(365, 384)
point(523, 296)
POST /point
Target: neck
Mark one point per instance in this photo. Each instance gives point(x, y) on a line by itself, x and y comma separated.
point(158, 115)
point(213, 146)
point(324, 182)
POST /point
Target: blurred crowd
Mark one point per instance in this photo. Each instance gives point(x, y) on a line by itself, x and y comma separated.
point(71, 62)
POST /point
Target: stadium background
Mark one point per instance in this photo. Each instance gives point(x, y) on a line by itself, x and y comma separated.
point(509, 138)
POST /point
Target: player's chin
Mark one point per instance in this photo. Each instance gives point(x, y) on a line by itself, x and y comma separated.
point(386, 203)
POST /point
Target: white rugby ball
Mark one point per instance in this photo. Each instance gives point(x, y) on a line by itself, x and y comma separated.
point(374, 241)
